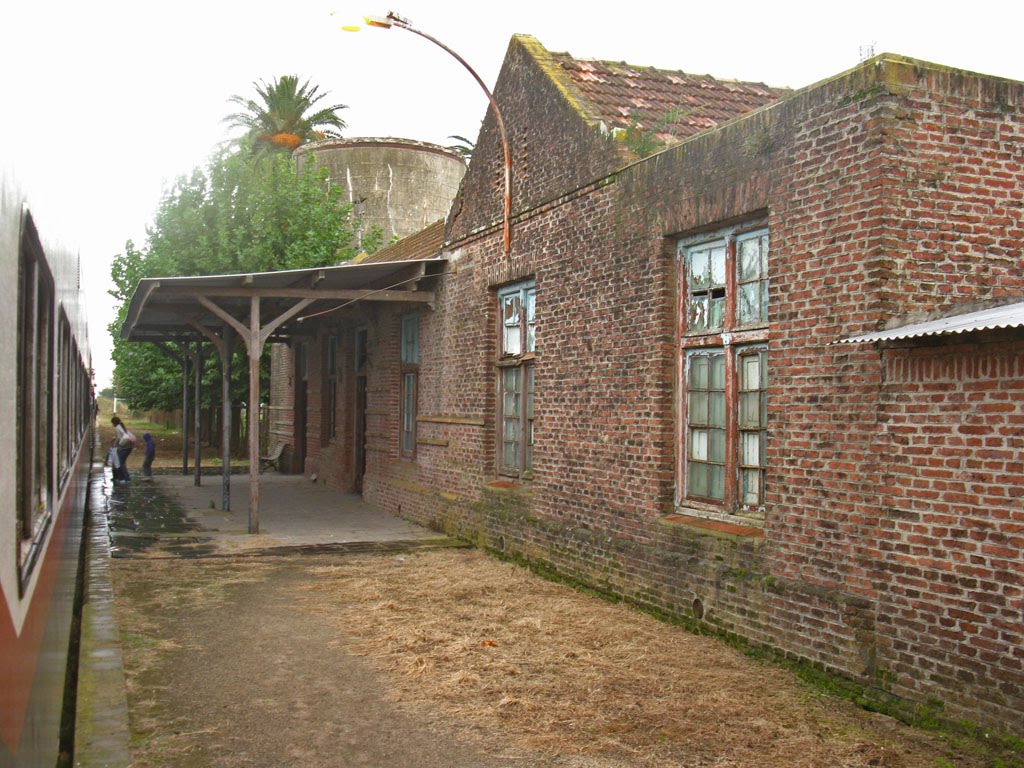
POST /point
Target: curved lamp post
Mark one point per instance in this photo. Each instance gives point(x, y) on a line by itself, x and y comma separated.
point(394, 20)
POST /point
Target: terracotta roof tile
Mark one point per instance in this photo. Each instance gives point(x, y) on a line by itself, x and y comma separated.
point(424, 244)
point(620, 93)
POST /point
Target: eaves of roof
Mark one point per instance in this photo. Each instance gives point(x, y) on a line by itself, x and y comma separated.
point(1006, 316)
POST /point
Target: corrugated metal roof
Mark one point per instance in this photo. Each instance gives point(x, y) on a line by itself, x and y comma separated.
point(1006, 316)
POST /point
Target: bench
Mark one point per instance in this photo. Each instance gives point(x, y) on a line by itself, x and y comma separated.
point(273, 457)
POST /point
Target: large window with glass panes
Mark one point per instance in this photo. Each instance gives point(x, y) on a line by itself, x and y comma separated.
point(723, 366)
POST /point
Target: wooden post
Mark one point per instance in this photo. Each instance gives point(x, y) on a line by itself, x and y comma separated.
point(197, 416)
point(255, 351)
point(225, 419)
point(183, 347)
point(224, 344)
point(255, 336)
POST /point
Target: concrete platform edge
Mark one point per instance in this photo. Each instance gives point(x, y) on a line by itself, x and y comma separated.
point(102, 731)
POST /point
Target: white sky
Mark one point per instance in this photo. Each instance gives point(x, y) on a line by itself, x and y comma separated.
point(106, 103)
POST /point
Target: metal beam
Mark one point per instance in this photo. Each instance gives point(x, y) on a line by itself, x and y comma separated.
point(348, 294)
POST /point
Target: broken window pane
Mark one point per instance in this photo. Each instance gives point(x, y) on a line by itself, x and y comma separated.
point(717, 257)
point(716, 316)
point(698, 313)
point(531, 332)
point(511, 313)
point(749, 254)
point(752, 278)
point(706, 268)
point(749, 308)
point(699, 271)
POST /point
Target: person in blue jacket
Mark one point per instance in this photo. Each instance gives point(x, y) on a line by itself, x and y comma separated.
point(147, 463)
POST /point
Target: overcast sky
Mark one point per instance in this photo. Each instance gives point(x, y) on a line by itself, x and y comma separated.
point(106, 103)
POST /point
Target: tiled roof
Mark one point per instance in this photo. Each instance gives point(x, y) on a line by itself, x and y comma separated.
point(620, 94)
point(425, 244)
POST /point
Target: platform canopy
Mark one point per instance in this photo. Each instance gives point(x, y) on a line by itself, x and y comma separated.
point(256, 307)
point(171, 308)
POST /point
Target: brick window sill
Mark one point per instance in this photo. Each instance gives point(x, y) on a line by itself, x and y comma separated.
point(508, 486)
point(714, 527)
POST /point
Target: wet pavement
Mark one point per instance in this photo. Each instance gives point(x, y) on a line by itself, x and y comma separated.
point(169, 516)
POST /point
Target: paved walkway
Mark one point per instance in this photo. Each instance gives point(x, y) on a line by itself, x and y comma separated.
point(169, 516)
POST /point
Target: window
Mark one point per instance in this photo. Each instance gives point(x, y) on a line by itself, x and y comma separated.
point(517, 342)
point(36, 422)
point(410, 376)
point(331, 388)
point(723, 354)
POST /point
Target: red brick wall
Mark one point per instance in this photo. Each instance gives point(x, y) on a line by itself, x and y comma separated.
point(849, 571)
point(951, 530)
point(541, 126)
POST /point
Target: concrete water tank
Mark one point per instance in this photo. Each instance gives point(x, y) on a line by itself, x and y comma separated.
point(398, 185)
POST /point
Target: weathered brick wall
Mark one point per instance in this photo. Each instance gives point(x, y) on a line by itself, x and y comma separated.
point(956, 185)
point(542, 128)
point(951, 534)
point(833, 168)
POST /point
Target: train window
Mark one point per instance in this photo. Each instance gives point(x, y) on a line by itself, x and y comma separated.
point(35, 403)
point(65, 363)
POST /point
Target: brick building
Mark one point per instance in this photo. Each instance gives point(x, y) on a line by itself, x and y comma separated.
point(711, 380)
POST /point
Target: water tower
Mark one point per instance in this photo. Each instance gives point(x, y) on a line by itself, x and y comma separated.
point(398, 185)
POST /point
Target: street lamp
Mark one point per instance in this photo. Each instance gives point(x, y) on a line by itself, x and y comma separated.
point(394, 20)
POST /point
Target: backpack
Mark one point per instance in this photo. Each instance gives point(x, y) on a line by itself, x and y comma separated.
point(132, 441)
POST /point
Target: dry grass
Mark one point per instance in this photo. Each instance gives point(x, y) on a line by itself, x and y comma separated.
point(551, 670)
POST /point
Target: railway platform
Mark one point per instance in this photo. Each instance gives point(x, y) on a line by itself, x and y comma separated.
point(170, 517)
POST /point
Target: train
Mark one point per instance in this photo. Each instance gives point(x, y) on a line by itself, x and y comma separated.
point(47, 423)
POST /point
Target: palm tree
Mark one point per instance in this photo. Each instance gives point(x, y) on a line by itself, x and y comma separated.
point(283, 119)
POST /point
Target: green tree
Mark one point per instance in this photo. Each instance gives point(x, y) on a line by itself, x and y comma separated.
point(283, 116)
point(236, 215)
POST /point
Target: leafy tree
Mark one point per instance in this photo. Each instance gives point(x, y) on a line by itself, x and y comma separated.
point(238, 214)
point(282, 118)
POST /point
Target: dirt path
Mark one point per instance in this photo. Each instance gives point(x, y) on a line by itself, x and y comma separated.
point(451, 658)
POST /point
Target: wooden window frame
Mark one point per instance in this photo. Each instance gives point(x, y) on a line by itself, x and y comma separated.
point(516, 344)
point(701, 335)
point(330, 388)
point(409, 384)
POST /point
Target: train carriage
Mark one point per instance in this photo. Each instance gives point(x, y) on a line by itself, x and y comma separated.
point(46, 425)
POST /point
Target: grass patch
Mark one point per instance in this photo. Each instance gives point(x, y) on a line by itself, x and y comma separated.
point(998, 750)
